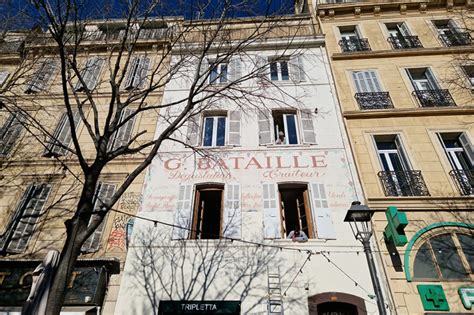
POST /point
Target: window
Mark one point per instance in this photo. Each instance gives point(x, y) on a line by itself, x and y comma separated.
point(450, 34)
point(213, 133)
point(369, 93)
point(25, 217)
point(137, 72)
point(279, 70)
point(3, 77)
point(391, 155)
point(214, 213)
point(351, 40)
point(460, 153)
point(218, 73)
point(215, 128)
point(422, 79)
point(122, 135)
point(42, 77)
point(469, 72)
point(103, 194)
point(286, 127)
point(440, 258)
point(90, 74)
point(10, 132)
point(287, 206)
point(400, 37)
point(366, 81)
point(427, 90)
point(61, 136)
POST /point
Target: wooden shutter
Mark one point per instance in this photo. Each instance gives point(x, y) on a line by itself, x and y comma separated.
point(261, 65)
point(271, 211)
point(142, 72)
point(203, 71)
point(42, 77)
point(183, 215)
point(308, 129)
point(124, 133)
point(93, 72)
point(264, 127)
point(27, 215)
point(10, 132)
point(103, 194)
point(234, 128)
point(132, 69)
point(3, 77)
point(235, 68)
point(366, 81)
point(192, 133)
point(322, 213)
point(62, 135)
point(467, 146)
point(296, 68)
point(232, 212)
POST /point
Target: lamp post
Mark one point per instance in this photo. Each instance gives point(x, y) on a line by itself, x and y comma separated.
point(359, 217)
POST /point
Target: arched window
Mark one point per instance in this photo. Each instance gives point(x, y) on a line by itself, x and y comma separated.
point(448, 256)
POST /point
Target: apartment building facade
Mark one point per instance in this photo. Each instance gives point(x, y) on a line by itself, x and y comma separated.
point(403, 73)
point(41, 179)
point(222, 202)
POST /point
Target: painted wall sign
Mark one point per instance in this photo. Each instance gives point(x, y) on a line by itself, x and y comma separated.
point(467, 297)
point(433, 297)
point(199, 307)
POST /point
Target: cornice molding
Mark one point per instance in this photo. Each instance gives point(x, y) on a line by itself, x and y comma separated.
point(415, 112)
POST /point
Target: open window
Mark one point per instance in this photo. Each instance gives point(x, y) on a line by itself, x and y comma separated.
point(295, 209)
point(207, 213)
point(285, 124)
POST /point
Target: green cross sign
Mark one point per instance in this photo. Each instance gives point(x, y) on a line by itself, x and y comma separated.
point(433, 298)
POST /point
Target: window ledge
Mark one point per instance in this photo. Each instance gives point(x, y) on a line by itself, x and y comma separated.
point(286, 145)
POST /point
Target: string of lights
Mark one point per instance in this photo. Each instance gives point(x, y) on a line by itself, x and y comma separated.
point(299, 271)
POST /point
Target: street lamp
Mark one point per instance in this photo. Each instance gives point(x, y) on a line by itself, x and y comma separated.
point(359, 218)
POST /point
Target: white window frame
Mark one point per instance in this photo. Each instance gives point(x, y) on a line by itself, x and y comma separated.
point(219, 78)
point(215, 122)
point(278, 63)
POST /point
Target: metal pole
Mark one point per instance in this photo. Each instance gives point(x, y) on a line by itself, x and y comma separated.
point(373, 276)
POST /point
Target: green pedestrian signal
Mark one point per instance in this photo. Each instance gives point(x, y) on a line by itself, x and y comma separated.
point(395, 229)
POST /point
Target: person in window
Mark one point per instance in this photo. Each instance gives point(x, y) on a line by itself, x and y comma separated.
point(281, 138)
point(297, 235)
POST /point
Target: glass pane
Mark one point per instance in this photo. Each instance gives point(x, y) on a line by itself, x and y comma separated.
point(208, 127)
point(396, 162)
point(284, 70)
point(292, 132)
point(384, 162)
point(223, 73)
point(447, 257)
point(214, 74)
point(220, 131)
point(274, 71)
point(467, 247)
point(424, 267)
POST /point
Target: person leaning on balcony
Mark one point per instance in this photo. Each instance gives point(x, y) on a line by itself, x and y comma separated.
point(281, 138)
point(297, 235)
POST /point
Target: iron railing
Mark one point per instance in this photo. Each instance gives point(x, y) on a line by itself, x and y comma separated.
point(434, 98)
point(405, 42)
point(354, 44)
point(456, 39)
point(464, 181)
point(374, 100)
point(403, 183)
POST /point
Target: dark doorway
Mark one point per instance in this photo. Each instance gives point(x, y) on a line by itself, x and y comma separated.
point(207, 213)
point(337, 308)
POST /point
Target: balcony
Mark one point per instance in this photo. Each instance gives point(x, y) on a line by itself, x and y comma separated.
point(374, 100)
point(456, 39)
point(464, 181)
point(404, 42)
point(403, 183)
point(354, 44)
point(434, 98)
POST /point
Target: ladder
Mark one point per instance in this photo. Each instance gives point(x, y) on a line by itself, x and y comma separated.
point(275, 300)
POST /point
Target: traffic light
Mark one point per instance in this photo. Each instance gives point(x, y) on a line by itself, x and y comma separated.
point(394, 231)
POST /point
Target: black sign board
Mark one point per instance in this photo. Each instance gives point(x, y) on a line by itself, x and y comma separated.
point(199, 307)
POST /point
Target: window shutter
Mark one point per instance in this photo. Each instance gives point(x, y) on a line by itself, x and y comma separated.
point(308, 129)
point(27, 214)
point(62, 135)
point(271, 211)
point(142, 72)
point(192, 133)
point(203, 71)
point(42, 77)
point(411, 79)
point(322, 213)
point(235, 66)
point(124, 133)
point(183, 215)
point(296, 68)
point(467, 145)
point(234, 128)
point(264, 127)
point(3, 77)
point(103, 194)
point(404, 29)
point(401, 153)
point(232, 213)
point(132, 69)
point(10, 132)
point(94, 72)
point(262, 73)
point(431, 79)
point(366, 81)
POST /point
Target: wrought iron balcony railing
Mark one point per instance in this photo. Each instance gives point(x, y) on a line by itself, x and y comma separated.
point(456, 39)
point(434, 98)
point(405, 42)
point(464, 181)
point(374, 100)
point(403, 183)
point(354, 44)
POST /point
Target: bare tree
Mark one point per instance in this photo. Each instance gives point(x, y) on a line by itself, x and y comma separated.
point(135, 78)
